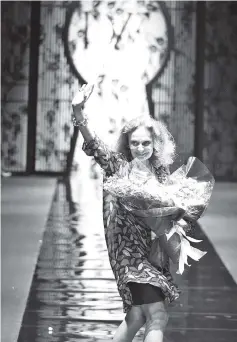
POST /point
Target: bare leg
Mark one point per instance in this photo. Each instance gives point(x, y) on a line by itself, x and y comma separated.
point(156, 321)
point(133, 322)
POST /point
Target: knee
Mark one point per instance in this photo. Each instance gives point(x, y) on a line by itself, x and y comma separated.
point(157, 322)
point(156, 316)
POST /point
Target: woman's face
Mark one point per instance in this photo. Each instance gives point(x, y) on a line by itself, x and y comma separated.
point(141, 143)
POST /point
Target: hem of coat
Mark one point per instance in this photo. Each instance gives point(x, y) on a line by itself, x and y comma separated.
point(127, 308)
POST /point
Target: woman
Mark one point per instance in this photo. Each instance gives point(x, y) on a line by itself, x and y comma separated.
point(143, 287)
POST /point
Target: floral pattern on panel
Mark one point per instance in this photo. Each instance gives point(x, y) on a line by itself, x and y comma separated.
point(14, 80)
point(56, 86)
point(220, 145)
point(120, 92)
point(172, 95)
point(173, 92)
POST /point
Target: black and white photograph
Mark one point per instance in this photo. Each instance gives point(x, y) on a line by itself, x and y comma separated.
point(118, 171)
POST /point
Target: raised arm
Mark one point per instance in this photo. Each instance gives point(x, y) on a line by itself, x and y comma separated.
point(109, 160)
point(80, 118)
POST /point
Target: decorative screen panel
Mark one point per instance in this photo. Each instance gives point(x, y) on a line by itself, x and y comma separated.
point(55, 89)
point(173, 92)
point(15, 83)
point(220, 115)
point(122, 94)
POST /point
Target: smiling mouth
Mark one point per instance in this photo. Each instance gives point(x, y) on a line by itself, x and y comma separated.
point(142, 155)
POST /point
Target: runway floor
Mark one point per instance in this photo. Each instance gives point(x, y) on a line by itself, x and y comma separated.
point(73, 296)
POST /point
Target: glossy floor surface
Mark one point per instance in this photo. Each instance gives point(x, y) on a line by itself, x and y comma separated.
point(220, 224)
point(73, 296)
point(25, 204)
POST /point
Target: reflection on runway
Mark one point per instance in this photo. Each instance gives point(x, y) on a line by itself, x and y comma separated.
point(73, 296)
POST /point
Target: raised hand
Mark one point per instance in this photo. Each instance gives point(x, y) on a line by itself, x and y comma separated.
point(80, 99)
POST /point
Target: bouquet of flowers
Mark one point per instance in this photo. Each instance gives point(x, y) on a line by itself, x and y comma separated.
point(167, 208)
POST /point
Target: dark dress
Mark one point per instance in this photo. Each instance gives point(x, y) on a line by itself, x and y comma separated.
point(129, 240)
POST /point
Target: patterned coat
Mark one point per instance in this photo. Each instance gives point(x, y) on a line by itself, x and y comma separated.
point(128, 239)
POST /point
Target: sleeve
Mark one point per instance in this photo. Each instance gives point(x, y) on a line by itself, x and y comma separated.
point(110, 161)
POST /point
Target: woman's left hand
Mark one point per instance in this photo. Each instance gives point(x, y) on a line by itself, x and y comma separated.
point(81, 98)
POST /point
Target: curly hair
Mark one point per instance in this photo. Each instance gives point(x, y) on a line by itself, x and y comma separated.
point(164, 145)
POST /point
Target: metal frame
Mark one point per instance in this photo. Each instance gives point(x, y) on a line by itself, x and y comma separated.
point(33, 86)
point(200, 71)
